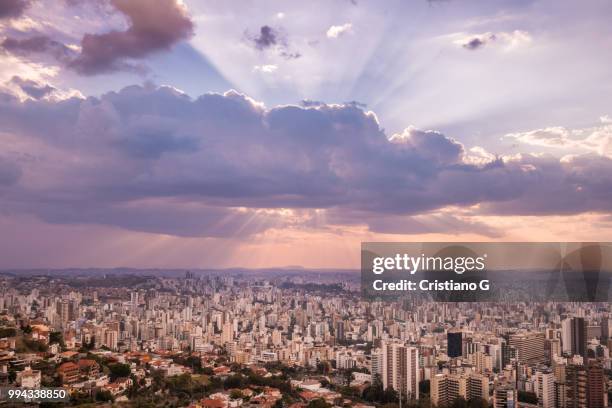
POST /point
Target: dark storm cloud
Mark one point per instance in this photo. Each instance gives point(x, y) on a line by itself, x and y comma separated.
point(290, 55)
point(151, 29)
point(160, 216)
point(477, 42)
point(12, 8)
point(473, 44)
point(267, 38)
point(32, 88)
point(270, 38)
point(153, 159)
point(39, 44)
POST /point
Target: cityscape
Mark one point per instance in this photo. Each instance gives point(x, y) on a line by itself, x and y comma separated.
point(305, 204)
point(286, 338)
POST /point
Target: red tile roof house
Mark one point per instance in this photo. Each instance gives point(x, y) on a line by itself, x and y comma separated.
point(119, 386)
point(69, 373)
point(214, 403)
point(309, 395)
point(90, 369)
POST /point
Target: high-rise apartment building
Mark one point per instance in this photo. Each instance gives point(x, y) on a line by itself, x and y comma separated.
point(454, 341)
point(545, 381)
point(505, 397)
point(529, 347)
point(400, 369)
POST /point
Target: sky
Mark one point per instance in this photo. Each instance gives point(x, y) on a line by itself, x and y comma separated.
point(216, 134)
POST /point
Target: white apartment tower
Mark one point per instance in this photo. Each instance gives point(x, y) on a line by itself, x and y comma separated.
point(400, 368)
point(545, 389)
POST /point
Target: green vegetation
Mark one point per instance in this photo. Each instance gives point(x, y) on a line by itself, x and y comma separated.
point(104, 396)
point(7, 332)
point(236, 394)
point(193, 362)
point(376, 393)
point(528, 397)
point(57, 337)
point(26, 345)
point(318, 403)
point(119, 370)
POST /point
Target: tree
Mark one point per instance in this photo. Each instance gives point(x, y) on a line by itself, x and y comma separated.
point(390, 395)
point(234, 381)
point(528, 397)
point(352, 392)
point(7, 332)
point(322, 367)
point(459, 403)
point(374, 392)
point(236, 394)
point(318, 403)
point(119, 370)
point(104, 396)
point(477, 403)
point(57, 337)
point(424, 387)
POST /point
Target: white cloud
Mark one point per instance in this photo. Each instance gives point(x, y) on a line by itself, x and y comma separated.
point(596, 139)
point(508, 40)
point(336, 31)
point(267, 69)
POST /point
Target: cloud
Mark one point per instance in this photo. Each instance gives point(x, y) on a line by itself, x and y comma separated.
point(267, 38)
point(267, 69)
point(32, 88)
point(433, 145)
point(596, 139)
point(13, 8)
point(509, 40)
point(336, 31)
point(39, 44)
point(442, 222)
point(270, 38)
point(10, 173)
point(550, 137)
point(477, 42)
point(150, 29)
point(154, 159)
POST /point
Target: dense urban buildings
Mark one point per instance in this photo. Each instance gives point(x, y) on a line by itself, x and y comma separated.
point(221, 339)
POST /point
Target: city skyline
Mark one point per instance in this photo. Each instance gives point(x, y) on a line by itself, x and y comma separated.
point(263, 134)
point(290, 339)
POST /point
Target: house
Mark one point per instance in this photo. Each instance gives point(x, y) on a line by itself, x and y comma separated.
point(89, 369)
point(119, 386)
point(172, 370)
point(54, 348)
point(69, 354)
point(40, 332)
point(311, 385)
point(28, 378)
point(213, 403)
point(221, 370)
point(69, 373)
